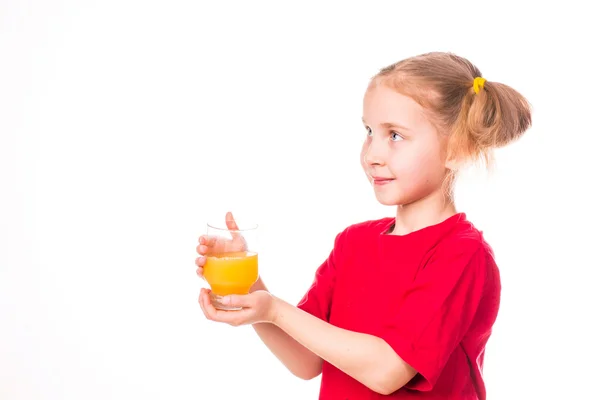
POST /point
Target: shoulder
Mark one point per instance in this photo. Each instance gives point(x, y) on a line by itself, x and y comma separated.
point(464, 245)
point(465, 237)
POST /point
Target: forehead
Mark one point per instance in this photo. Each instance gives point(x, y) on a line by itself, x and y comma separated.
point(383, 104)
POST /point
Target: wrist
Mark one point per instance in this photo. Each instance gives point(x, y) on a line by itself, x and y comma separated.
point(275, 310)
point(258, 285)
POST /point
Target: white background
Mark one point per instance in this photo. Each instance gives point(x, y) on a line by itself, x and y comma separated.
point(126, 125)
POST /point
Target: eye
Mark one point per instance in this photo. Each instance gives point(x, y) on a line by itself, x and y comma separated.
point(369, 131)
point(395, 136)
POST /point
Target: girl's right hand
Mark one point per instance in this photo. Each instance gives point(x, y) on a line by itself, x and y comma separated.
point(214, 245)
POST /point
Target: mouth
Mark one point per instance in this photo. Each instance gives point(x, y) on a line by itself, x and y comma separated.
point(382, 181)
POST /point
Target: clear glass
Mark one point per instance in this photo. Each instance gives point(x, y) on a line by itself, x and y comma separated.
point(231, 262)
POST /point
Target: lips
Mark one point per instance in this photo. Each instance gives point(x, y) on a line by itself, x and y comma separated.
point(381, 180)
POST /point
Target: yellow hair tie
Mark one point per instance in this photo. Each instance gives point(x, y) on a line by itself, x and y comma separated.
point(478, 84)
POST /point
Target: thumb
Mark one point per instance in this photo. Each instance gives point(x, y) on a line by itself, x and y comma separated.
point(236, 300)
point(232, 225)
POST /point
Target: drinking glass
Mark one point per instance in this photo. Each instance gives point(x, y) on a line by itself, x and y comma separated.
point(231, 261)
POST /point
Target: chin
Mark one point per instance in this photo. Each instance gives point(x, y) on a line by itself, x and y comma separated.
point(389, 200)
point(397, 197)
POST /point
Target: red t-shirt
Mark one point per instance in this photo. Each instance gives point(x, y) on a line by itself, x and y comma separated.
point(432, 295)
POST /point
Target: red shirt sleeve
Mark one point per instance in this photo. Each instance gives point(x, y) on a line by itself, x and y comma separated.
point(317, 300)
point(437, 310)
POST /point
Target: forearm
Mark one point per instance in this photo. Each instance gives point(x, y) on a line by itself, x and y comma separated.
point(366, 358)
point(298, 359)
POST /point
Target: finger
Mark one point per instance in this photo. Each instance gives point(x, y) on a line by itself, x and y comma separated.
point(201, 249)
point(200, 261)
point(235, 300)
point(200, 273)
point(232, 225)
point(201, 302)
point(211, 311)
point(234, 318)
point(207, 240)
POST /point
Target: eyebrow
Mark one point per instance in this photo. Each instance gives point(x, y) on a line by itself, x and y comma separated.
point(389, 125)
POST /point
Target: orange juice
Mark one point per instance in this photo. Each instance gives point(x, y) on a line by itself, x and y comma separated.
point(231, 273)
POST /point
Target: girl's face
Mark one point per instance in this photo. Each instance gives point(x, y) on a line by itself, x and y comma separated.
point(403, 155)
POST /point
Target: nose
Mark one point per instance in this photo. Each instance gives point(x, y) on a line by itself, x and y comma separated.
point(375, 152)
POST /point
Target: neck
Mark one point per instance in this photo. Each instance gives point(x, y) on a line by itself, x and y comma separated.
point(430, 210)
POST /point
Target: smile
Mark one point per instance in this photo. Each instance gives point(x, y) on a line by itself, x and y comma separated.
point(381, 181)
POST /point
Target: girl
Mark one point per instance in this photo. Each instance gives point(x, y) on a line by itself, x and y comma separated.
point(402, 306)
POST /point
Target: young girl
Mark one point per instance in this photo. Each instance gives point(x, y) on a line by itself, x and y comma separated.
point(402, 307)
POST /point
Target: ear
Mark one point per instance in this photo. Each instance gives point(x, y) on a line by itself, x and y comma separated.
point(452, 160)
point(452, 164)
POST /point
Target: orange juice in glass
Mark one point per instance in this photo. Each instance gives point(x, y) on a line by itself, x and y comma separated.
point(231, 262)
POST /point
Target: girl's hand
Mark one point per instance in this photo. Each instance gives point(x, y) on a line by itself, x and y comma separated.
point(258, 306)
point(211, 244)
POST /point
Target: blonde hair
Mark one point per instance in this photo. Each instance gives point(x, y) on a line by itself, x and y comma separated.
point(443, 84)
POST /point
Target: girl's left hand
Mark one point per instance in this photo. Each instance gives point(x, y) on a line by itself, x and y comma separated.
point(258, 306)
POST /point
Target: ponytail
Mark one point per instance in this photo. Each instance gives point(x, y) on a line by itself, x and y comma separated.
point(492, 115)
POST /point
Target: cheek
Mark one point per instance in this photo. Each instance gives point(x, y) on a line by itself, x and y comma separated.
point(421, 164)
point(363, 152)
